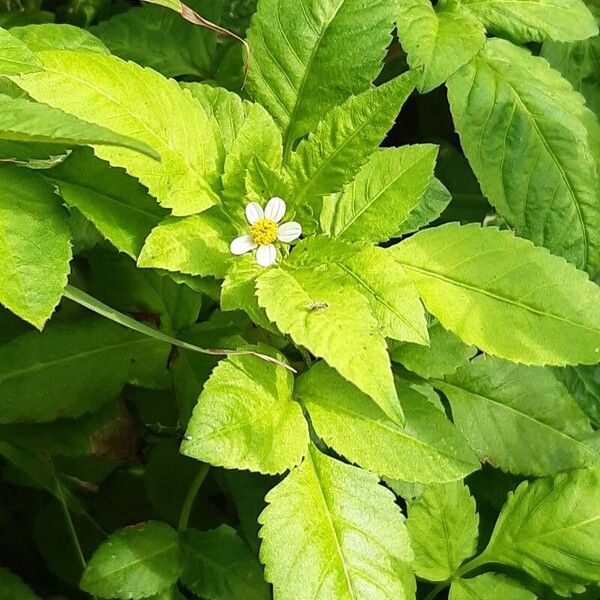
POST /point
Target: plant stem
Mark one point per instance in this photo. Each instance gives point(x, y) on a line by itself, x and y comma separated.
point(71, 526)
point(436, 590)
point(188, 503)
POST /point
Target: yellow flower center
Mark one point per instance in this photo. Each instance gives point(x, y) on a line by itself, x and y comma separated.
point(264, 232)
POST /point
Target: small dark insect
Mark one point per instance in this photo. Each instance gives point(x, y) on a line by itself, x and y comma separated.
point(317, 305)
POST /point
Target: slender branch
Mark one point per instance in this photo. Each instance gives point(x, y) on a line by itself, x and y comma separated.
point(69, 523)
point(188, 503)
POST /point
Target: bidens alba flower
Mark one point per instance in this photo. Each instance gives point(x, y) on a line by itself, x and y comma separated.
point(264, 230)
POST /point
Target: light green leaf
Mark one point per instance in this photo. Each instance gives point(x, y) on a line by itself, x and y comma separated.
point(535, 20)
point(443, 526)
point(518, 418)
point(579, 63)
point(146, 35)
point(382, 195)
point(246, 418)
point(53, 36)
point(319, 311)
point(489, 585)
point(113, 93)
point(551, 530)
point(134, 562)
point(36, 370)
point(522, 128)
point(330, 531)
point(392, 297)
point(429, 207)
point(345, 138)
point(118, 206)
point(310, 55)
point(218, 565)
point(194, 245)
point(444, 354)
point(34, 245)
point(438, 40)
point(476, 280)
point(15, 56)
point(13, 587)
point(427, 449)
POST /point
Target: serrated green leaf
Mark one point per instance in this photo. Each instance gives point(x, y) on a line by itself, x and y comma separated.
point(518, 418)
point(36, 370)
point(345, 138)
point(34, 245)
point(489, 585)
point(246, 419)
point(118, 206)
point(551, 530)
point(218, 565)
point(443, 526)
point(146, 35)
point(16, 57)
point(194, 245)
point(330, 531)
point(134, 562)
point(444, 354)
point(523, 130)
point(382, 195)
point(583, 383)
point(427, 449)
point(392, 297)
point(13, 587)
point(309, 56)
point(319, 311)
point(535, 20)
point(579, 63)
point(438, 40)
point(53, 36)
point(476, 280)
point(110, 92)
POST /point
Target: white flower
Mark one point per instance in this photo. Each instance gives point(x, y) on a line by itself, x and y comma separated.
point(264, 230)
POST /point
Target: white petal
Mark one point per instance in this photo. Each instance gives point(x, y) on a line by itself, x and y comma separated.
point(242, 244)
point(288, 232)
point(275, 209)
point(254, 212)
point(266, 255)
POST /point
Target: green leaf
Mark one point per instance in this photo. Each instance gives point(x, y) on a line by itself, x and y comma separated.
point(518, 418)
point(382, 195)
point(34, 245)
point(218, 565)
point(118, 206)
point(427, 449)
point(53, 36)
point(443, 356)
point(579, 63)
point(113, 93)
point(551, 530)
point(194, 245)
point(523, 130)
point(146, 36)
point(476, 280)
point(134, 562)
point(15, 56)
point(13, 587)
point(330, 531)
point(319, 311)
point(443, 526)
point(583, 383)
point(489, 585)
point(345, 138)
point(535, 20)
point(37, 370)
point(438, 40)
point(246, 418)
point(309, 56)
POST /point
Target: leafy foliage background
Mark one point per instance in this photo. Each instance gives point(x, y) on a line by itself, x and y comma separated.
point(404, 405)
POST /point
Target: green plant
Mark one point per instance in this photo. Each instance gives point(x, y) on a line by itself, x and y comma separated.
point(295, 341)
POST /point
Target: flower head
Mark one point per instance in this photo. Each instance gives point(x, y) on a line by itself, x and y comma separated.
point(264, 231)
